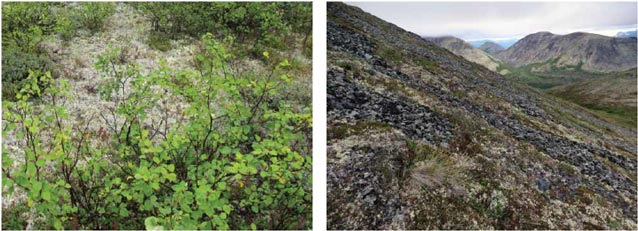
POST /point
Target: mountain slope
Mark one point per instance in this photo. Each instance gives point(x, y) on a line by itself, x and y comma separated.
point(461, 48)
point(589, 52)
point(420, 138)
point(613, 95)
point(491, 48)
point(618, 89)
point(505, 43)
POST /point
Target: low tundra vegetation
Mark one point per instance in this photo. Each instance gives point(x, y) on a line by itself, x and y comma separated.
point(256, 25)
point(236, 157)
point(234, 153)
point(26, 24)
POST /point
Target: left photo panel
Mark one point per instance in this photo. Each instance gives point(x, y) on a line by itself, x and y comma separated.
point(157, 115)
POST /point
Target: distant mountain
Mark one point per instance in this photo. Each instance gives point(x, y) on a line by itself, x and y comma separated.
point(626, 34)
point(491, 48)
point(504, 43)
point(467, 51)
point(582, 51)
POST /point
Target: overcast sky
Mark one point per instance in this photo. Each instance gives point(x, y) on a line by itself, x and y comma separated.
point(505, 20)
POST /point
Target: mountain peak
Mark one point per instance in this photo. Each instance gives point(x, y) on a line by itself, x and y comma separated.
point(450, 41)
point(541, 33)
point(491, 48)
point(467, 51)
point(585, 34)
point(587, 51)
point(580, 33)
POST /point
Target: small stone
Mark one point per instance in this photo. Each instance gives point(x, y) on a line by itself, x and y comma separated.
point(370, 199)
point(543, 184)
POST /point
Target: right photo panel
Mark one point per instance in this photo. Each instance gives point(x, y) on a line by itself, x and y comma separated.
point(481, 115)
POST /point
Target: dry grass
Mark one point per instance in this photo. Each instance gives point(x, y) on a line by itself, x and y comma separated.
point(431, 167)
point(431, 173)
point(80, 61)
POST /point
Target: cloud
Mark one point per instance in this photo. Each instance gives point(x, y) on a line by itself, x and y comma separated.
point(476, 20)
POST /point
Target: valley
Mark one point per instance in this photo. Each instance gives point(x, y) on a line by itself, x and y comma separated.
point(565, 67)
point(611, 96)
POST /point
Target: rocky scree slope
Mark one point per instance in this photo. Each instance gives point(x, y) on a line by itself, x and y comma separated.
point(491, 48)
point(467, 51)
point(589, 52)
point(420, 138)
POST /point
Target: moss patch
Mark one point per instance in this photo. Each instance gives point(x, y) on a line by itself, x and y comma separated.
point(441, 211)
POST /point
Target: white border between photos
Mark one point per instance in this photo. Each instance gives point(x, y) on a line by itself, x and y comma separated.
point(319, 116)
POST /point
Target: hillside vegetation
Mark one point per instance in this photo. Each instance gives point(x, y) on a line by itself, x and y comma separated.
point(420, 138)
point(150, 116)
point(613, 96)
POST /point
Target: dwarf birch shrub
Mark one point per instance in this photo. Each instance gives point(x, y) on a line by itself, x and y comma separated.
point(25, 25)
point(92, 15)
point(229, 158)
point(256, 25)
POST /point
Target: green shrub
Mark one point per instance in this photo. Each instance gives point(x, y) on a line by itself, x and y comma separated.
point(26, 24)
point(299, 17)
point(15, 68)
point(20, 15)
point(192, 19)
point(24, 16)
point(159, 41)
point(12, 216)
point(91, 15)
point(66, 26)
point(234, 158)
point(260, 25)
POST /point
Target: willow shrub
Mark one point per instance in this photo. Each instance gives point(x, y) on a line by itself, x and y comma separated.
point(93, 15)
point(25, 25)
point(233, 158)
point(258, 25)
